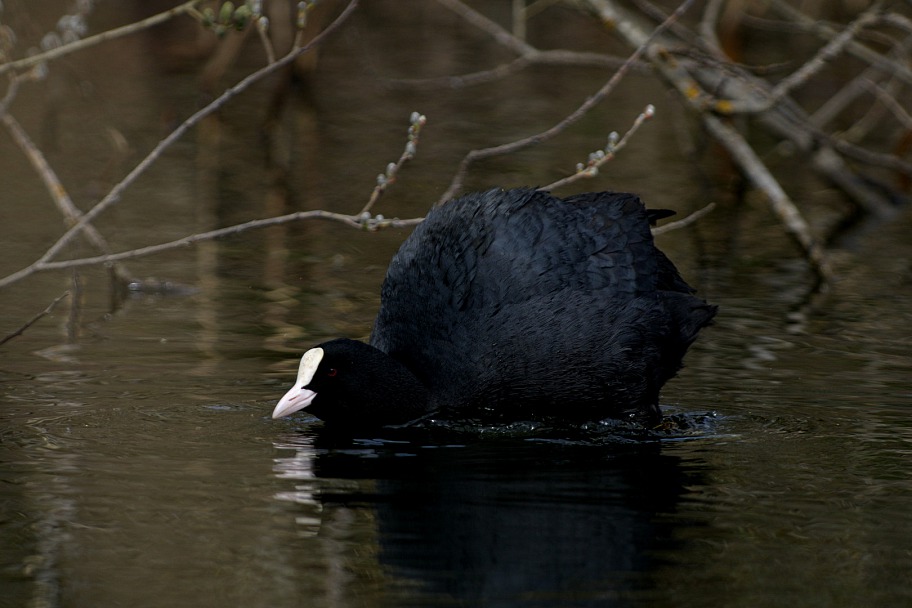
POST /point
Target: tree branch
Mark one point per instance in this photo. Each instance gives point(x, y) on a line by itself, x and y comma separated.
point(820, 29)
point(385, 180)
point(116, 192)
point(683, 222)
point(55, 187)
point(354, 221)
point(78, 45)
point(600, 157)
point(552, 57)
point(34, 319)
point(780, 202)
point(508, 148)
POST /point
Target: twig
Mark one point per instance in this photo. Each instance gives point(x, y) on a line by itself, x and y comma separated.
point(354, 221)
point(898, 69)
point(791, 218)
point(483, 153)
point(72, 47)
point(866, 82)
point(54, 186)
point(75, 311)
point(608, 153)
point(826, 53)
point(115, 193)
point(496, 32)
point(552, 57)
point(684, 221)
point(678, 75)
point(758, 103)
point(780, 202)
point(262, 26)
point(842, 99)
point(731, 85)
point(384, 180)
point(11, 91)
point(528, 54)
point(708, 26)
point(883, 96)
point(34, 319)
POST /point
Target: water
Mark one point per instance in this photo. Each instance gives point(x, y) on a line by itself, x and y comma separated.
point(139, 463)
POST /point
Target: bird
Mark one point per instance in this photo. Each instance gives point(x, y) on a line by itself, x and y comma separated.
point(514, 305)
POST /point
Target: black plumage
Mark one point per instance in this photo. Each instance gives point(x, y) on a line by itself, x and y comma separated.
point(515, 304)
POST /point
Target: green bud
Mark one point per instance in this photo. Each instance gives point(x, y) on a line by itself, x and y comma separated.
point(226, 12)
point(242, 16)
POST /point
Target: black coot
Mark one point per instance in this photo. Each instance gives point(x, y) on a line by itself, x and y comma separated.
point(514, 305)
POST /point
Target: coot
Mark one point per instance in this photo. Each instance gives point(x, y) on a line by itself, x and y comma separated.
point(511, 305)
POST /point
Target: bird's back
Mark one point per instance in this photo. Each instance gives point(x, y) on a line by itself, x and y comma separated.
point(501, 293)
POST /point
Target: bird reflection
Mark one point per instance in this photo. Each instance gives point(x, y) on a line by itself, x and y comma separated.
point(506, 521)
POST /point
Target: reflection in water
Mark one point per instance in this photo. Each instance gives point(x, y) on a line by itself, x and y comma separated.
point(299, 467)
point(504, 521)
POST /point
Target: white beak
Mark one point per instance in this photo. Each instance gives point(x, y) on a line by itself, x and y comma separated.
point(299, 397)
point(296, 399)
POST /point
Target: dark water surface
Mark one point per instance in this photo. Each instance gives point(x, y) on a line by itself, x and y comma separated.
point(139, 465)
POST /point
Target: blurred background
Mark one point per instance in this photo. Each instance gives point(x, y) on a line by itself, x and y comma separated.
point(138, 461)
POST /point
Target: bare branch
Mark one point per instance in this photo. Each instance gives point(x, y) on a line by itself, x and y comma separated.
point(34, 319)
point(115, 193)
point(54, 186)
point(826, 53)
point(353, 221)
point(262, 25)
point(683, 222)
point(11, 91)
point(480, 154)
point(899, 69)
point(78, 45)
point(528, 54)
point(781, 204)
point(767, 98)
point(709, 24)
point(384, 180)
point(554, 57)
point(496, 32)
point(787, 120)
point(891, 103)
point(608, 153)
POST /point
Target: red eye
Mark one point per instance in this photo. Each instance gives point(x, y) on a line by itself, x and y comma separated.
point(332, 372)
